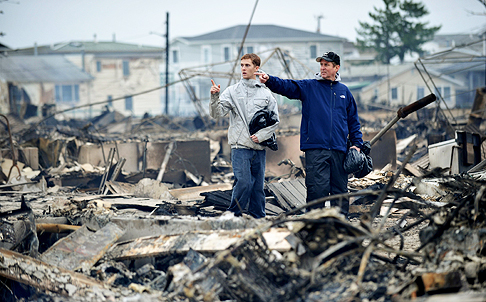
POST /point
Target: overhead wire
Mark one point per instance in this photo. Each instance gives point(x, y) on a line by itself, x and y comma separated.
point(242, 43)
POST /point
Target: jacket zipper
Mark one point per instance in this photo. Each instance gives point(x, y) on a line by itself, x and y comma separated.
point(332, 111)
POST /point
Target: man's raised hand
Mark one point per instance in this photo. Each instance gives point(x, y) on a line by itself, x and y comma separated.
point(214, 88)
point(263, 77)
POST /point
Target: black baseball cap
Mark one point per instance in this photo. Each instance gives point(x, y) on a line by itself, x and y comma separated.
point(330, 57)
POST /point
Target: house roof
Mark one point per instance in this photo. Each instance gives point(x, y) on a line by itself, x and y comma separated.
point(452, 40)
point(37, 69)
point(454, 55)
point(372, 70)
point(261, 32)
point(455, 60)
point(432, 72)
point(90, 47)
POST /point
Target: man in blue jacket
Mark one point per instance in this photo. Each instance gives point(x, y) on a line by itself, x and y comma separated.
point(329, 118)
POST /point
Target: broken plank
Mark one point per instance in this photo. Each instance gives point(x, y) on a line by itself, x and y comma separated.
point(193, 193)
point(271, 209)
point(160, 176)
point(289, 195)
point(139, 203)
point(56, 227)
point(82, 248)
point(202, 241)
point(280, 198)
point(44, 276)
point(299, 185)
point(414, 171)
point(410, 168)
point(292, 186)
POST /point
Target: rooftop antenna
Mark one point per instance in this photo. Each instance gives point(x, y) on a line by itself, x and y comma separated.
point(319, 17)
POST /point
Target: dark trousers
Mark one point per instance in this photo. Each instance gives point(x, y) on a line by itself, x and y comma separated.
point(325, 176)
point(248, 190)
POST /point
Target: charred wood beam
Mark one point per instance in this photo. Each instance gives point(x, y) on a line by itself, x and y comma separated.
point(447, 223)
point(323, 200)
point(56, 227)
point(24, 208)
point(82, 248)
point(41, 275)
point(376, 207)
point(202, 241)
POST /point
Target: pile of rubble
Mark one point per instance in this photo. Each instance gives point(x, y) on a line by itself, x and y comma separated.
point(86, 222)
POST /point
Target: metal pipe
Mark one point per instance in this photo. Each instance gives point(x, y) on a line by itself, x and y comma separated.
point(14, 160)
point(403, 112)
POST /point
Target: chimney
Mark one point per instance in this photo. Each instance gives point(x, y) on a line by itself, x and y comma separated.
point(114, 37)
point(35, 49)
point(95, 38)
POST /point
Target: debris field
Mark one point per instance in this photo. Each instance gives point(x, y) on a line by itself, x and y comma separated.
point(121, 209)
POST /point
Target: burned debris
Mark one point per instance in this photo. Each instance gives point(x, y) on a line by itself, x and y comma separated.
point(134, 210)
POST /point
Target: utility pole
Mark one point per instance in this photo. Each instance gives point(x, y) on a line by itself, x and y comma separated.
point(167, 65)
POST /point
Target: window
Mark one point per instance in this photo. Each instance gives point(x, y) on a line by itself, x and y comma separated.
point(206, 54)
point(394, 93)
point(175, 56)
point(313, 51)
point(374, 98)
point(129, 103)
point(98, 66)
point(447, 94)
point(226, 52)
point(126, 69)
point(420, 92)
point(67, 93)
point(249, 49)
point(438, 92)
point(110, 101)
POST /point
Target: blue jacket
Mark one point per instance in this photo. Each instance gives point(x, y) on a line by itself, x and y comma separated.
point(329, 112)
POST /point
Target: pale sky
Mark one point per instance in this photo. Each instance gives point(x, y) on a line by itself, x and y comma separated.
point(25, 22)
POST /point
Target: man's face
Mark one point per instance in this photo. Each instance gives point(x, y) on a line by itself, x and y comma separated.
point(328, 70)
point(248, 69)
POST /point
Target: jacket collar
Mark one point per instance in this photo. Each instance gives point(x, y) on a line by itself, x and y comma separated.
point(251, 82)
point(318, 77)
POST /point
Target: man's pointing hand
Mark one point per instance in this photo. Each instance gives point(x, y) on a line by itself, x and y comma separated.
point(214, 88)
point(263, 77)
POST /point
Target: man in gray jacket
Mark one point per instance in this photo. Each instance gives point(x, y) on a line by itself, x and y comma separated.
point(241, 101)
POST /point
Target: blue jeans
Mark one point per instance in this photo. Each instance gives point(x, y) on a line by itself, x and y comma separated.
point(248, 188)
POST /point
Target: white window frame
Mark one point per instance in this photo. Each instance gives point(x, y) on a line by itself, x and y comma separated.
point(247, 51)
point(206, 50)
point(176, 50)
point(310, 51)
point(230, 53)
point(391, 93)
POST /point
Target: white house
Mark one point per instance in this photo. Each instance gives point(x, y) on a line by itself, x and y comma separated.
point(285, 52)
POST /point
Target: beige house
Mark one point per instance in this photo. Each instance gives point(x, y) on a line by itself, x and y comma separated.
point(409, 85)
point(122, 74)
point(29, 83)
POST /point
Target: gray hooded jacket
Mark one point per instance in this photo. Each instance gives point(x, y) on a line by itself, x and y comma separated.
point(242, 100)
